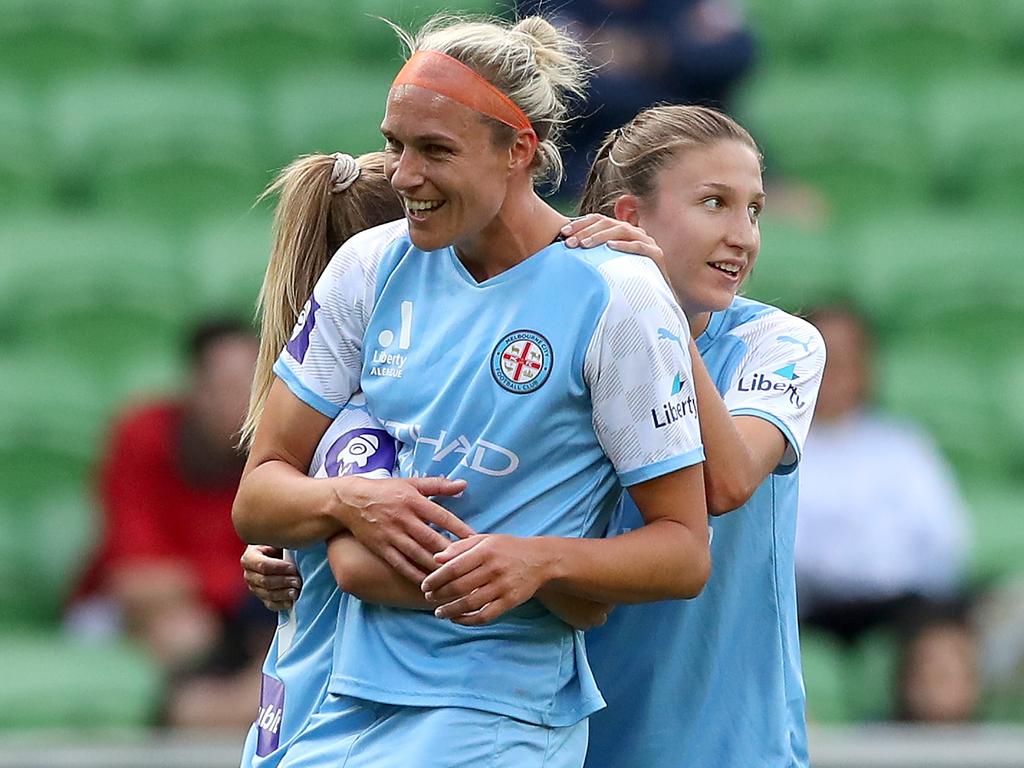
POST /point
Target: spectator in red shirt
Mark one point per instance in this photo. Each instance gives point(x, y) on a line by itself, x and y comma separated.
point(166, 568)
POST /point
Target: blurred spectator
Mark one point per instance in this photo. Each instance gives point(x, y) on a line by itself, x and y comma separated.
point(648, 51)
point(166, 569)
point(938, 679)
point(881, 526)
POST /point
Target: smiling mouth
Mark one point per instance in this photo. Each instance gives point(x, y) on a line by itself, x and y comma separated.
point(421, 209)
point(732, 270)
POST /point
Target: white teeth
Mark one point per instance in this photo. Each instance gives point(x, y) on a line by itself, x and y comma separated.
point(732, 269)
point(422, 205)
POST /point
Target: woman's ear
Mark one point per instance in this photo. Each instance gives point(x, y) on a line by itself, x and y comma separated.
point(523, 149)
point(627, 209)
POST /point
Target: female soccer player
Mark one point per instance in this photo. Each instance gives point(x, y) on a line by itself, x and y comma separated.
point(716, 680)
point(475, 364)
point(324, 200)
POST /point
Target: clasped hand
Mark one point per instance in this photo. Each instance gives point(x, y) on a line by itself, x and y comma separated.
point(393, 519)
point(483, 576)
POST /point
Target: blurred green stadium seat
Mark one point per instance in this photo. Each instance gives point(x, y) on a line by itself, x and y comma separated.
point(1007, 22)
point(914, 37)
point(789, 32)
point(49, 433)
point(825, 677)
point(871, 671)
point(374, 40)
point(252, 39)
point(26, 171)
point(848, 683)
point(45, 444)
point(973, 129)
point(228, 259)
point(926, 265)
point(339, 111)
point(52, 536)
point(44, 39)
point(105, 293)
point(412, 13)
point(51, 681)
point(951, 389)
point(995, 506)
point(51, 427)
point(851, 136)
point(798, 268)
point(1012, 401)
point(169, 146)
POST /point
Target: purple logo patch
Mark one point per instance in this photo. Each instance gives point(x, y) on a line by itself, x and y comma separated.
point(360, 451)
point(304, 324)
point(268, 720)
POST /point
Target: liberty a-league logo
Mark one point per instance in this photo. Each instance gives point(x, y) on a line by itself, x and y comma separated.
point(759, 382)
point(674, 409)
point(271, 712)
point(386, 360)
point(521, 362)
point(304, 324)
point(360, 451)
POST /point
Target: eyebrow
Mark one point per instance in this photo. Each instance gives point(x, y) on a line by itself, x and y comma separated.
point(439, 138)
point(719, 186)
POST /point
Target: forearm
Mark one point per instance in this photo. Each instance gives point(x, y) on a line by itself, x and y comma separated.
point(361, 573)
point(577, 612)
point(731, 474)
point(276, 504)
point(662, 560)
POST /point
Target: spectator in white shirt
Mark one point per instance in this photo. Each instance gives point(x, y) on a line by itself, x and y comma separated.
point(881, 527)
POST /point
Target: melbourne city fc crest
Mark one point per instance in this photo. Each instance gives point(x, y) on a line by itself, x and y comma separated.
point(521, 362)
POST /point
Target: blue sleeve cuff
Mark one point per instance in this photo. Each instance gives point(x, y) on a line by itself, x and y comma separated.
point(791, 456)
point(663, 467)
point(304, 393)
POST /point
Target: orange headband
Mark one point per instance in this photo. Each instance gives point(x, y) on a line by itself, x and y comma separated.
point(440, 73)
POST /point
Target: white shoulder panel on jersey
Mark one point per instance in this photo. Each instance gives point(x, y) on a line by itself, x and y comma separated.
point(638, 369)
point(779, 376)
point(322, 360)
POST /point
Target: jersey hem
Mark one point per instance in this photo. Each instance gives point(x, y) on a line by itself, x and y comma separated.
point(304, 393)
point(348, 686)
point(663, 467)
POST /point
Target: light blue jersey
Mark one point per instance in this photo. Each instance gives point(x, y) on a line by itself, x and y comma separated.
point(298, 664)
point(548, 388)
point(715, 681)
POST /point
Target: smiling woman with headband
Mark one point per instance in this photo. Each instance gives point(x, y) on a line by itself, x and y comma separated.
point(534, 411)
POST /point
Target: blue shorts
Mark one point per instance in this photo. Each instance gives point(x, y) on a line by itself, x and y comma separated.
point(354, 733)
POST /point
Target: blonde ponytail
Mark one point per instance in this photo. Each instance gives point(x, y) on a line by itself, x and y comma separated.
point(323, 201)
